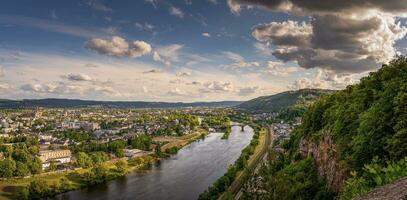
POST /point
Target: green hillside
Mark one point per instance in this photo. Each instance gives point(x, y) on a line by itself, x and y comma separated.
point(277, 102)
point(362, 131)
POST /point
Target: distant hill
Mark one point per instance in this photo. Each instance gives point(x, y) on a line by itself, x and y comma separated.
point(277, 102)
point(75, 103)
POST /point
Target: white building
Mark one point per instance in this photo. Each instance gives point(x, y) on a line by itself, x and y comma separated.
point(57, 156)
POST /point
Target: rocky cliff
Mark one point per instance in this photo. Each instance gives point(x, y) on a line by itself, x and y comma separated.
point(325, 156)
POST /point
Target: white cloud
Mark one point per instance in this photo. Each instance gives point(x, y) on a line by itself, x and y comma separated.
point(158, 58)
point(119, 47)
point(244, 65)
point(233, 56)
point(153, 2)
point(325, 79)
point(239, 61)
point(167, 54)
point(234, 7)
point(96, 5)
point(177, 92)
point(246, 91)
point(206, 34)
point(176, 12)
point(183, 74)
point(219, 86)
point(144, 26)
point(4, 86)
point(278, 69)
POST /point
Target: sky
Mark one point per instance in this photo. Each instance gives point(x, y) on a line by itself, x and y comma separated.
point(192, 50)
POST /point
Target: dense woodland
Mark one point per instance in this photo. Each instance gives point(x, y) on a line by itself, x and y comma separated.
point(368, 125)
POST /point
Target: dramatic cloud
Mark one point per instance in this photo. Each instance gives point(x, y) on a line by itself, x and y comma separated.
point(78, 77)
point(289, 33)
point(322, 7)
point(119, 47)
point(340, 36)
point(176, 12)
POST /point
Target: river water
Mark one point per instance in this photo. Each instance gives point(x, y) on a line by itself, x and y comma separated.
point(183, 176)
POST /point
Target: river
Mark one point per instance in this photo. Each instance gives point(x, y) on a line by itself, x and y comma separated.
point(182, 176)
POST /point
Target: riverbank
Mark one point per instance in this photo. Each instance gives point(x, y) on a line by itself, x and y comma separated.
point(64, 181)
point(254, 160)
point(246, 160)
point(182, 141)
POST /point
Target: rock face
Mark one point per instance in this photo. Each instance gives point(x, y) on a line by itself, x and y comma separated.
point(394, 191)
point(325, 156)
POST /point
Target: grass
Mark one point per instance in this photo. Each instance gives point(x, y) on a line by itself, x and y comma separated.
point(184, 140)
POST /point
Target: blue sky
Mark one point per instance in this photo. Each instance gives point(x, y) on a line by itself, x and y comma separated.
point(186, 51)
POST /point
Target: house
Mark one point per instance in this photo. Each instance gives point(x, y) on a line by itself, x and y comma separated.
point(58, 156)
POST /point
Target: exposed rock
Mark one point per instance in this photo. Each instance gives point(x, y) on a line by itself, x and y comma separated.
point(394, 191)
point(325, 156)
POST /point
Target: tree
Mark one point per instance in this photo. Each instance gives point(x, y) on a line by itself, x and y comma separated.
point(101, 172)
point(21, 169)
point(36, 165)
point(83, 160)
point(7, 167)
point(38, 188)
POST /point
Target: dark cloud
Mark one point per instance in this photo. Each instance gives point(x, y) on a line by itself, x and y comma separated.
point(326, 6)
point(335, 42)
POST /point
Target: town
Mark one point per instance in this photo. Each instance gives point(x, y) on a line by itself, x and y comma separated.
point(55, 139)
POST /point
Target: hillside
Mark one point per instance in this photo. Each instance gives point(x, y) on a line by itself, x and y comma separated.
point(277, 102)
point(349, 143)
point(69, 103)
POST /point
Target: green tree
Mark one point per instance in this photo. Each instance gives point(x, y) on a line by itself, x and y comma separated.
point(7, 167)
point(36, 165)
point(38, 188)
point(21, 169)
point(83, 160)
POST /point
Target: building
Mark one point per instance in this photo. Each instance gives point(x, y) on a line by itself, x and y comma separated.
point(57, 156)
